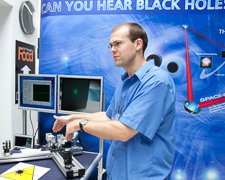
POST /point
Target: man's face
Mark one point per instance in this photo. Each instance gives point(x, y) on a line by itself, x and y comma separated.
point(123, 50)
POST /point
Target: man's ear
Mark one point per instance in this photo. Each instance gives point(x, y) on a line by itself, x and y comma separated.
point(139, 44)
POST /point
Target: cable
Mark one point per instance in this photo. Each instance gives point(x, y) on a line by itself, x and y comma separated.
point(39, 121)
point(80, 141)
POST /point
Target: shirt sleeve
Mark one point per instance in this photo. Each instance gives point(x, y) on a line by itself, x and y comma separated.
point(147, 108)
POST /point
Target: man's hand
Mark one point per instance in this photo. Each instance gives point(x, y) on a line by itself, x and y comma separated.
point(71, 128)
point(60, 122)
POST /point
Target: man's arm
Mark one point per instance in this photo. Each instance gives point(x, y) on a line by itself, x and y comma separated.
point(110, 130)
point(61, 121)
point(98, 125)
point(98, 116)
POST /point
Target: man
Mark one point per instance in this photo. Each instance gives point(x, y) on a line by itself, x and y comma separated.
point(140, 117)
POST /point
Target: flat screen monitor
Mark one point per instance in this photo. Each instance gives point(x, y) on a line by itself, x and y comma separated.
point(23, 141)
point(37, 92)
point(79, 94)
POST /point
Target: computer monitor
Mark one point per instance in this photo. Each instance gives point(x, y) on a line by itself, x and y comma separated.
point(37, 92)
point(79, 94)
point(23, 141)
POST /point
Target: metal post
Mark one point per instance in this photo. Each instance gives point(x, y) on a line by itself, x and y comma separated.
point(101, 146)
point(24, 122)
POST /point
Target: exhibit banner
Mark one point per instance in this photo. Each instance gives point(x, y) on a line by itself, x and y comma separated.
point(55, 8)
point(186, 38)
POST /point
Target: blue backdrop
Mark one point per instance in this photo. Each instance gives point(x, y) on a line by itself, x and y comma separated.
point(74, 40)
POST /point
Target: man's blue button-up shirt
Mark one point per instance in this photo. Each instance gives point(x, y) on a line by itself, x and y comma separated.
point(146, 103)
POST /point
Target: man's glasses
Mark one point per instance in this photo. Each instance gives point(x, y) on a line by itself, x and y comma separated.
point(115, 45)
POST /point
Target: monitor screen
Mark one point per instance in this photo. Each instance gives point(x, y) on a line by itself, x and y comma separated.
point(79, 94)
point(37, 92)
point(23, 141)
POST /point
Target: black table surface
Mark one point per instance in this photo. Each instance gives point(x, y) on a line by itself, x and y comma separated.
point(54, 173)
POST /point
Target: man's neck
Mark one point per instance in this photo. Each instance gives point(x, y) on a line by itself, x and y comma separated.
point(135, 66)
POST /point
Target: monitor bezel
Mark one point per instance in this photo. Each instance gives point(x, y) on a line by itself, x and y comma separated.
point(34, 108)
point(59, 111)
point(24, 136)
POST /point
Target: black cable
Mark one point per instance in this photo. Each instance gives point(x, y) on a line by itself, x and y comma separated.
point(80, 141)
point(39, 121)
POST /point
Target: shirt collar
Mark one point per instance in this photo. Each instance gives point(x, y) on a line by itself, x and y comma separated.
point(141, 71)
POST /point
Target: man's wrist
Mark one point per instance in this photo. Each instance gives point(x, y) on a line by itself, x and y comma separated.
point(82, 124)
point(72, 117)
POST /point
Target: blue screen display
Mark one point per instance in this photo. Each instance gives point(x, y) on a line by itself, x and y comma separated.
point(37, 92)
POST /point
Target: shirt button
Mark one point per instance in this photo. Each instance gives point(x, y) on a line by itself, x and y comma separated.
point(112, 154)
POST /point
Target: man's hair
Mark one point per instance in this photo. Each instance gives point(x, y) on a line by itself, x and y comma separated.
point(136, 31)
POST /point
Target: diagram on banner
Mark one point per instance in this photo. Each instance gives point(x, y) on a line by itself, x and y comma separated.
point(23, 171)
point(189, 104)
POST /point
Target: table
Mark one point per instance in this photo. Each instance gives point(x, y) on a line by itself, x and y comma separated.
point(89, 160)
